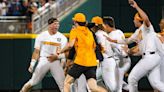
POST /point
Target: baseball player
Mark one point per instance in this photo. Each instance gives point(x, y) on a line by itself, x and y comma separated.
point(108, 65)
point(85, 61)
point(150, 48)
point(46, 47)
point(121, 57)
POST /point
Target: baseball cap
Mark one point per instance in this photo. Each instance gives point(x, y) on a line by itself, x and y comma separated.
point(97, 20)
point(79, 17)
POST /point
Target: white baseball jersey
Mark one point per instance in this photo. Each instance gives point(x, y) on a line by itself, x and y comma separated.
point(108, 65)
point(150, 47)
point(101, 39)
point(117, 35)
point(120, 55)
point(150, 41)
point(120, 37)
point(145, 30)
point(49, 44)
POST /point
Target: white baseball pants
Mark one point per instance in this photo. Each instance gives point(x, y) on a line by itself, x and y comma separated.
point(43, 67)
point(108, 68)
point(149, 65)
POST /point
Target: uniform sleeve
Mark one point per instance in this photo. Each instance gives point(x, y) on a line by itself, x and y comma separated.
point(147, 29)
point(38, 41)
point(144, 26)
point(133, 37)
point(64, 42)
point(122, 37)
point(101, 41)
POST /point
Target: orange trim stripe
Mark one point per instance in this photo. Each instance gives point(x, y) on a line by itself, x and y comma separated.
point(51, 43)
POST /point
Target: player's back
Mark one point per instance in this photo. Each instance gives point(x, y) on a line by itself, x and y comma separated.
point(106, 45)
point(117, 35)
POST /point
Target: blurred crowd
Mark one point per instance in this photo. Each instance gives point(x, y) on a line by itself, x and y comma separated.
point(24, 8)
point(21, 7)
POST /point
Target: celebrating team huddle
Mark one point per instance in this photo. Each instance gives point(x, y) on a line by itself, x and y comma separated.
point(97, 55)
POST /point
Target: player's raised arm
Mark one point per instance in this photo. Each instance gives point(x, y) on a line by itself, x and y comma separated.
point(141, 12)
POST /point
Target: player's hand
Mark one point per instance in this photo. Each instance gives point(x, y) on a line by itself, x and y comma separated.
point(125, 48)
point(58, 52)
point(133, 3)
point(136, 40)
point(130, 2)
point(32, 64)
point(30, 69)
point(52, 58)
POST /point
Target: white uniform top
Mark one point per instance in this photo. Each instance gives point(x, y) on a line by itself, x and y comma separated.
point(150, 42)
point(120, 37)
point(49, 44)
point(101, 39)
point(117, 35)
point(145, 30)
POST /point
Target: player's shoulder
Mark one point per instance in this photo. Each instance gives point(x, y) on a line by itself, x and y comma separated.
point(144, 27)
point(61, 35)
point(119, 30)
point(99, 32)
point(44, 32)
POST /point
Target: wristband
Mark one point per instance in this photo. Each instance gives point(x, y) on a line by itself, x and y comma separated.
point(32, 63)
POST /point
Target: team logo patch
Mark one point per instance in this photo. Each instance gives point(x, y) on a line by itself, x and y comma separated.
point(59, 39)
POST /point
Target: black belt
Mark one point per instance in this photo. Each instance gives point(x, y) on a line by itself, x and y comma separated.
point(149, 53)
point(110, 56)
point(126, 57)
